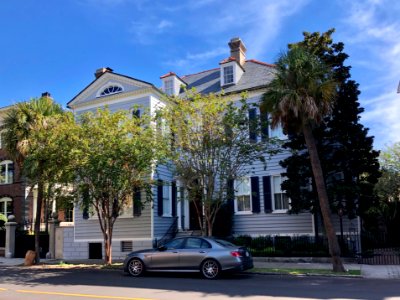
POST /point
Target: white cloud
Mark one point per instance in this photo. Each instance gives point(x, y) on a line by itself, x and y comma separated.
point(258, 23)
point(193, 60)
point(145, 32)
point(164, 24)
point(374, 34)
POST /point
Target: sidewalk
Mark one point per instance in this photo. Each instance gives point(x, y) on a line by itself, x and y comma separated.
point(367, 271)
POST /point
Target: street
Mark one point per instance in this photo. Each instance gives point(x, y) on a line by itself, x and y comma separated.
point(67, 284)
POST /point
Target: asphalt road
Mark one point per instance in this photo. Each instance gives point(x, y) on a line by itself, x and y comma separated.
point(18, 283)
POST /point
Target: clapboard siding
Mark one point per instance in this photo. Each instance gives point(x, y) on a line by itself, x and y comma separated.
point(268, 224)
point(124, 227)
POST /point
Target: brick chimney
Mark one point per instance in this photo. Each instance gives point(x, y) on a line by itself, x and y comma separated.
point(46, 95)
point(238, 50)
point(101, 71)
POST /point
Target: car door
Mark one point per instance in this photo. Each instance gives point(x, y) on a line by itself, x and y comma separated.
point(193, 253)
point(167, 256)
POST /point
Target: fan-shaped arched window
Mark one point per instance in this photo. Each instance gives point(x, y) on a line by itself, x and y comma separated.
point(112, 89)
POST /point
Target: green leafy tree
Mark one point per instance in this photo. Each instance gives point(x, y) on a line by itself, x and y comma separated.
point(113, 154)
point(298, 98)
point(388, 192)
point(213, 144)
point(22, 128)
point(349, 162)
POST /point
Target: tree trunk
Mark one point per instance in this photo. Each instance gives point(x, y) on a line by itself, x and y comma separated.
point(107, 243)
point(209, 228)
point(334, 248)
point(37, 220)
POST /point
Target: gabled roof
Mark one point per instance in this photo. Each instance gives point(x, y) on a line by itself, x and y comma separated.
point(256, 75)
point(115, 76)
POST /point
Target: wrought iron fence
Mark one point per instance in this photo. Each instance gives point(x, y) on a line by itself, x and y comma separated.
point(25, 241)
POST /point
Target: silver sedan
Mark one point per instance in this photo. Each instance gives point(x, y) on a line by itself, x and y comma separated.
point(190, 254)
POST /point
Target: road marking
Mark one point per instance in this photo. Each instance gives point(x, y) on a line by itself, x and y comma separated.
point(1, 289)
point(80, 295)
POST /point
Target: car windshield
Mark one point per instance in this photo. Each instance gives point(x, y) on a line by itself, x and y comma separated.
point(225, 243)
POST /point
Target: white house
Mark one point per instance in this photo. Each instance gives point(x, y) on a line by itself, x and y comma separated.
point(265, 213)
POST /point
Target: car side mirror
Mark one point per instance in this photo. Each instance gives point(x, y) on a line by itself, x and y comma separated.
point(162, 248)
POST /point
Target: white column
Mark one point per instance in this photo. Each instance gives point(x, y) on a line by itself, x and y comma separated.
point(11, 226)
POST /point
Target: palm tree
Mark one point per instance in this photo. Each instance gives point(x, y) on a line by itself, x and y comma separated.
point(20, 125)
point(298, 98)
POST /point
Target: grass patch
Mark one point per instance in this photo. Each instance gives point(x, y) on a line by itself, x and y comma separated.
point(305, 271)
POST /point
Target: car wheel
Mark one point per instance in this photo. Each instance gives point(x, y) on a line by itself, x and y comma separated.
point(210, 269)
point(135, 267)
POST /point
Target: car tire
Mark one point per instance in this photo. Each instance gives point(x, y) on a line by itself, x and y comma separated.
point(135, 267)
point(210, 269)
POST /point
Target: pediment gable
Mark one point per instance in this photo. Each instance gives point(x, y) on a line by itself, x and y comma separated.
point(109, 84)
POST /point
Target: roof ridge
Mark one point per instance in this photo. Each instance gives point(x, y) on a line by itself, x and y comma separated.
point(261, 62)
point(200, 72)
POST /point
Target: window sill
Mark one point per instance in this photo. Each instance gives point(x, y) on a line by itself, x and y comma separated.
point(280, 211)
point(243, 212)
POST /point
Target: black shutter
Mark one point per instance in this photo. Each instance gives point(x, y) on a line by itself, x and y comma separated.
point(252, 125)
point(160, 197)
point(230, 195)
point(173, 199)
point(267, 194)
point(264, 124)
point(255, 194)
point(136, 113)
point(85, 213)
point(137, 202)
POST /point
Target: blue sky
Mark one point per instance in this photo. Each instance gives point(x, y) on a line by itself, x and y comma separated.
point(55, 45)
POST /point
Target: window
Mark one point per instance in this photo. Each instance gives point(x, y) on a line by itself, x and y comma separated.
point(69, 212)
point(196, 243)
point(228, 74)
point(166, 200)
point(281, 201)
point(242, 195)
point(174, 244)
point(169, 87)
point(6, 172)
point(112, 89)
point(6, 206)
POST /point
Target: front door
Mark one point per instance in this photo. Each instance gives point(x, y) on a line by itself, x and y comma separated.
point(194, 223)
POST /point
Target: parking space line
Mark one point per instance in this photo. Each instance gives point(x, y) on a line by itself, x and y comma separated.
point(79, 295)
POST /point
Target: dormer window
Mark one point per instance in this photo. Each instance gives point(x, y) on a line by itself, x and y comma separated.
point(112, 89)
point(169, 87)
point(171, 84)
point(228, 75)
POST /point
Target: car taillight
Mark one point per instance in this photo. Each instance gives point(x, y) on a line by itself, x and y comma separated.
point(236, 253)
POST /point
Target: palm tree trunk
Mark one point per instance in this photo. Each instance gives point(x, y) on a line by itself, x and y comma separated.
point(37, 220)
point(334, 248)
